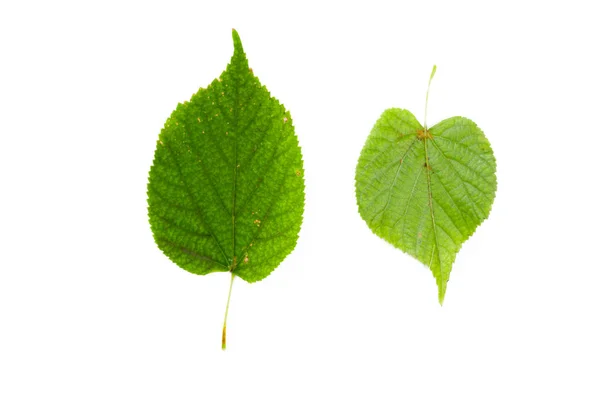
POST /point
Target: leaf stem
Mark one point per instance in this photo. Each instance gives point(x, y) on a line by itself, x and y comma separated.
point(224, 339)
point(427, 97)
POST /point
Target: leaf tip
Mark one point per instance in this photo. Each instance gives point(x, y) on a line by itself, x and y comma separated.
point(441, 292)
point(237, 42)
point(433, 72)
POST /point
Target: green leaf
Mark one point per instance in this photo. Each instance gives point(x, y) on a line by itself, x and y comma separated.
point(226, 188)
point(426, 190)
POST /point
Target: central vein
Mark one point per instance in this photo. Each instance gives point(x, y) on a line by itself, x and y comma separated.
point(427, 167)
point(233, 263)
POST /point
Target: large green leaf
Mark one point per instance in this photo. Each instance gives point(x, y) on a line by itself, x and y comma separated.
point(426, 190)
point(226, 189)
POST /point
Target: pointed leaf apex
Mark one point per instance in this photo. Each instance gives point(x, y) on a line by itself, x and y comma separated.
point(433, 72)
point(441, 295)
point(237, 43)
point(442, 284)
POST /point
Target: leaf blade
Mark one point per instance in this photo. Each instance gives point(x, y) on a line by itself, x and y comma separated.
point(438, 195)
point(228, 169)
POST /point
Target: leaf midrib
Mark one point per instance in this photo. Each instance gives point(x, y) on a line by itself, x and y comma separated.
point(236, 133)
point(436, 250)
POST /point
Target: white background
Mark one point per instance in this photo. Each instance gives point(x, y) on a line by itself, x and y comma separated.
point(91, 309)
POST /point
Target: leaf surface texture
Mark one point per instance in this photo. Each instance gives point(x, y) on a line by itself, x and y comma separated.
point(425, 191)
point(226, 188)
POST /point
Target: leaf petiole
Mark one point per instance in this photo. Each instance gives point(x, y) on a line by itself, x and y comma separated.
point(427, 97)
point(224, 338)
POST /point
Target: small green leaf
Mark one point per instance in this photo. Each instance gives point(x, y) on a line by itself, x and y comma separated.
point(426, 190)
point(226, 189)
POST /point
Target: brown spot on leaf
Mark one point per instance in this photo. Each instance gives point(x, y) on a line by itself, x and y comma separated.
point(246, 259)
point(298, 173)
point(424, 135)
point(257, 222)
